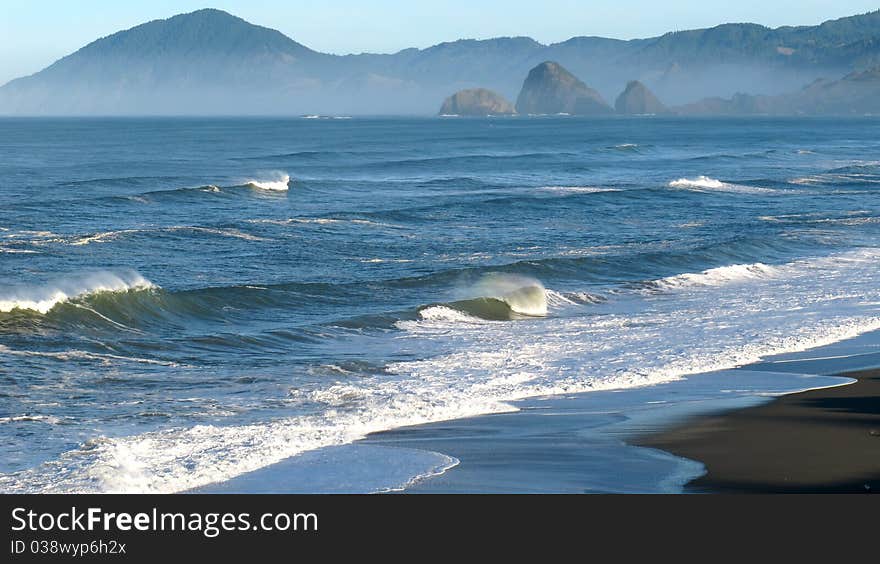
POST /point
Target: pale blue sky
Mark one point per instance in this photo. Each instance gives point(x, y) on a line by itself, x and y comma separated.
point(37, 32)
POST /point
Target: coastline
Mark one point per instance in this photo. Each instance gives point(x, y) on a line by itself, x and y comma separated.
point(837, 408)
point(825, 440)
point(593, 442)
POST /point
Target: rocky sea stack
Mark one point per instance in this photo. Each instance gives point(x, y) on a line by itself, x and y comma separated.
point(550, 89)
point(637, 99)
point(476, 102)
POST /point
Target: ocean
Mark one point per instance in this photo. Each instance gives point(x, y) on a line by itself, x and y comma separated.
point(183, 301)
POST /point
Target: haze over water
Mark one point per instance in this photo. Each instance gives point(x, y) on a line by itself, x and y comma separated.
point(182, 301)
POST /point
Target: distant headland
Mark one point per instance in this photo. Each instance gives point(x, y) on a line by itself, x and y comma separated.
point(551, 89)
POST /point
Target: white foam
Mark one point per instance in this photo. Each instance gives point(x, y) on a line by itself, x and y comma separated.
point(558, 299)
point(584, 298)
point(320, 221)
point(278, 184)
point(852, 220)
point(445, 314)
point(729, 318)
point(79, 355)
point(705, 183)
point(225, 232)
point(107, 236)
point(377, 260)
point(717, 276)
point(42, 298)
point(103, 236)
point(578, 189)
point(831, 179)
point(50, 419)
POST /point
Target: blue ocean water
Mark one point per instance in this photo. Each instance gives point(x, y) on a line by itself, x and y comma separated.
point(186, 300)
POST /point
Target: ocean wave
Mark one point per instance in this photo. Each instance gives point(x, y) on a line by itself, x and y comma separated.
point(836, 179)
point(444, 313)
point(716, 276)
point(275, 183)
point(278, 184)
point(103, 236)
point(322, 221)
point(563, 299)
point(522, 294)
point(495, 297)
point(322, 116)
point(850, 220)
point(183, 191)
point(145, 307)
point(439, 161)
point(626, 147)
point(578, 189)
point(480, 367)
point(74, 355)
point(48, 419)
point(705, 183)
point(43, 298)
point(377, 260)
point(107, 236)
point(487, 291)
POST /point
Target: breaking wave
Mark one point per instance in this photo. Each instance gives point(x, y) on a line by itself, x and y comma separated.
point(43, 298)
point(717, 276)
point(279, 184)
point(705, 183)
point(504, 297)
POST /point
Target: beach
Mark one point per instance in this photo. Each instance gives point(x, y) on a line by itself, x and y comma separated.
point(825, 440)
point(785, 416)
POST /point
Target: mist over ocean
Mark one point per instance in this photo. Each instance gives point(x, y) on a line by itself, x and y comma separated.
point(186, 300)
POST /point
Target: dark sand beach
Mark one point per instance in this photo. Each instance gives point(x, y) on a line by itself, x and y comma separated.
point(749, 426)
point(824, 440)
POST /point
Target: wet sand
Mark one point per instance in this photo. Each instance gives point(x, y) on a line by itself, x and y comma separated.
point(736, 421)
point(825, 440)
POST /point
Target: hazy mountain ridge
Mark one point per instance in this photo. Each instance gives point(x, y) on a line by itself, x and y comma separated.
point(858, 93)
point(212, 62)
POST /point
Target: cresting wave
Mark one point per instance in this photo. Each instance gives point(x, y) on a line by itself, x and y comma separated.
point(44, 297)
point(496, 297)
point(474, 368)
point(705, 183)
point(523, 295)
point(279, 184)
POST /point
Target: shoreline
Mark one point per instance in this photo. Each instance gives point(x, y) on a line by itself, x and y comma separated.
point(592, 442)
point(824, 440)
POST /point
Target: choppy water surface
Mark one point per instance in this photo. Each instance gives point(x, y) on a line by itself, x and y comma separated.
point(182, 301)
